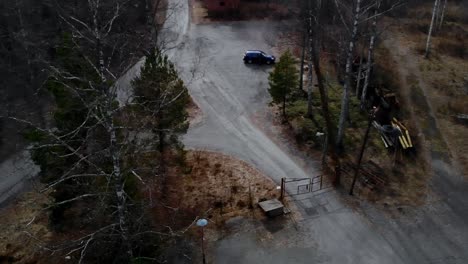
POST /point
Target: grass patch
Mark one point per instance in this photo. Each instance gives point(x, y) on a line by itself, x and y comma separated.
point(456, 13)
point(457, 48)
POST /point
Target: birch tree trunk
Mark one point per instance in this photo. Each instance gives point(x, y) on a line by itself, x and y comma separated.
point(118, 179)
point(119, 184)
point(429, 34)
point(301, 74)
point(442, 14)
point(370, 56)
point(349, 57)
point(437, 15)
point(359, 73)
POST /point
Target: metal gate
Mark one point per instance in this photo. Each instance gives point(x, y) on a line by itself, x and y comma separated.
point(298, 186)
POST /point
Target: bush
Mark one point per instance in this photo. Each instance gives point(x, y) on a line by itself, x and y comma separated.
point(306, 130)
point(296, 109)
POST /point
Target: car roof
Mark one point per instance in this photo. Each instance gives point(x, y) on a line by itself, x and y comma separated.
point(254, 51)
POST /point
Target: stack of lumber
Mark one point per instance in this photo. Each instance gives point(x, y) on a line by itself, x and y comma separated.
point(404, 138)
point(394, 134)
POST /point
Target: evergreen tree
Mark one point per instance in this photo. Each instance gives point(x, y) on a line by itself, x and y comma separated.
point(283, 80)
point(88, 163)
point(73, 127)
point(161, 96)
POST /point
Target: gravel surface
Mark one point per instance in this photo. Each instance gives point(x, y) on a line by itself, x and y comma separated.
point(230, 94)
point(15, 174)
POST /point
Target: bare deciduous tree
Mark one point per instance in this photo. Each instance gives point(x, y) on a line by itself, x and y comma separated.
point(348, 73)
point(370, 55)
point(95, 158)
point(431, 27)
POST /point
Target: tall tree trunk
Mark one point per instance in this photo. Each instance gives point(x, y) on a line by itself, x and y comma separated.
point(119, 187)
point(310, 86)
point(349, 59)
point(314, 64)
point(330, 137)
point(118, 177)
point(161, 144)
point(442, 15)
point(437, 15)
point(310, 79)
point(301, 76)
point(370, 56)
point(429, 34)
point(358, 75)
point(119, 181)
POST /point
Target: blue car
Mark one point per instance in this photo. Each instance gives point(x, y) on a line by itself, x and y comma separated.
point(258, 57)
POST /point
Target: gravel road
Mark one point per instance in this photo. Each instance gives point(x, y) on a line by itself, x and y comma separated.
point(231, 96)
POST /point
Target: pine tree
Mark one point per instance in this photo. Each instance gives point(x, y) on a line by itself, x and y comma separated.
point(162, 97)
point(283, 79)
point(73, 127)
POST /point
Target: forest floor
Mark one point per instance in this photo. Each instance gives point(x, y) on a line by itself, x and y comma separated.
point(435, 88)
point(23, 229)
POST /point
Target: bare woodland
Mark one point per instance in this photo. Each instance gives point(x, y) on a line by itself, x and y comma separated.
point(342, 37)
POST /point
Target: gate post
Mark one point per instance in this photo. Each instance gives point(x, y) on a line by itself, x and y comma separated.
point(282, 189)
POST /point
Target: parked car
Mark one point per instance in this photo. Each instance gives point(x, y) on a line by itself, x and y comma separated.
point(258, 57)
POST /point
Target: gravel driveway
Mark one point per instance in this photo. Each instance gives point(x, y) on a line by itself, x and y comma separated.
point(232, 96)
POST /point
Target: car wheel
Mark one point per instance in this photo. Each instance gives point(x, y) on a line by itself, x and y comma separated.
point(268, 62)
point(249, 61)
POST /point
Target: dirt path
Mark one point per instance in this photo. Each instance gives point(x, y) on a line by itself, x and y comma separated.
point(413, 87)
point(418, 92)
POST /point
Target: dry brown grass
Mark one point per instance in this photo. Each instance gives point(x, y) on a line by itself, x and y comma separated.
point(199, 14)
point(454, 48)
point(217, 187)
point(456, 13)
point(20, 237)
